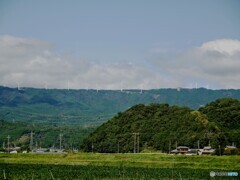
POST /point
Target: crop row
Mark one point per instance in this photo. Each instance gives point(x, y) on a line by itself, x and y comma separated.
point(44, 171)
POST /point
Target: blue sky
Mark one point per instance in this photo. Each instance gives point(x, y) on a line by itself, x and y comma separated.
point(108, 35)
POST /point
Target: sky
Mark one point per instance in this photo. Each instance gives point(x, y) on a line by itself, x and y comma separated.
point(120, 44)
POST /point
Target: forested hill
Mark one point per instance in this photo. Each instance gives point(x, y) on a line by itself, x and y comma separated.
point(163, 127)
point(92, 107)
point(43, 135)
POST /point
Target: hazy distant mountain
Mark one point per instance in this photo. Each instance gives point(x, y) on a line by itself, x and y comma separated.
point(92, 107)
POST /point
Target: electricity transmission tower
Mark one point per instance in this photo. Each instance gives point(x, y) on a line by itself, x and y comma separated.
point(8, 137)
point(31, 141)
point(136, 143)
point(92, 147)
point(60, 137)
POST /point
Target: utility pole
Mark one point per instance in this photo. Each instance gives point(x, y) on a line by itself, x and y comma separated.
point(198, 144)
point(60, 137)
point(219, 147)
point(137, 142)
point(134, 143)
point(118, 147)
point(169, 146)
point(8, 137)
point(31, 141)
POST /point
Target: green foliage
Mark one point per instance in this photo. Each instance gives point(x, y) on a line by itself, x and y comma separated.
point(44, 135)
point(113, 166)
point(15, 171)
point(225, 114)
point(162, 127)
point(47, 112)
point(229, 151)
point(91, 108)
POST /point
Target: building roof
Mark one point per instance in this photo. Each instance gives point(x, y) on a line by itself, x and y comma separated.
point(230, 147)
point(207, 147)
point(208, 151)
point(182, 147)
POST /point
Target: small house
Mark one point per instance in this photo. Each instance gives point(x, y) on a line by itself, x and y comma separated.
point(180, 150)
point(230, 147)
point(207, 150)
point(231, 150)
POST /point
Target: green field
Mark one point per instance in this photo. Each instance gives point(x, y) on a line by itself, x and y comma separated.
point(114, 166)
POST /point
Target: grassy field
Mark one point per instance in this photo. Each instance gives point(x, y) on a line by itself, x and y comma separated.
point(114, 166)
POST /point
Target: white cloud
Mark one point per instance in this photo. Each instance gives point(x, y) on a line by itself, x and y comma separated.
point(223, 46)
point(214, 62)
point(32, 63)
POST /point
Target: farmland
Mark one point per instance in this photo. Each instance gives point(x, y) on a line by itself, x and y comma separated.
point(113, 166)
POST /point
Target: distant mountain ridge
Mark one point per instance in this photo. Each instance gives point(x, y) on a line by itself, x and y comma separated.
point(92, 107)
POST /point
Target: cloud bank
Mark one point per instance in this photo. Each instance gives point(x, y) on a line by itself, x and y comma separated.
point(33, 63)
point(215, 63)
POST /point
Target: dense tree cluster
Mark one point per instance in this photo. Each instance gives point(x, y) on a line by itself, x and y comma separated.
point(163, 127)
point(44, 135)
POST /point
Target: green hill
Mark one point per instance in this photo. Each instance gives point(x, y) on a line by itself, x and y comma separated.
point(225, 113)
point(44, 135)
point(58, 107)
point(163, 127)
